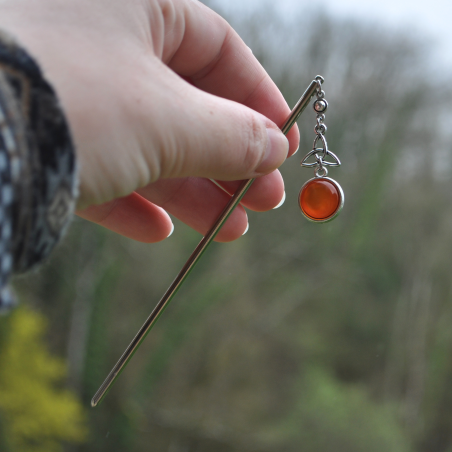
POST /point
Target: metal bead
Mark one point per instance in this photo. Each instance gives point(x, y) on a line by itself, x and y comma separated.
point(320, 105)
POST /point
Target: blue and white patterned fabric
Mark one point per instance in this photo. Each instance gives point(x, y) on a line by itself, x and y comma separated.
point(6, 199)
point(37, 166)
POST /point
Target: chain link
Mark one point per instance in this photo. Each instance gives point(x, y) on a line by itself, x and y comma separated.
point(320, 129)
point(320, 92)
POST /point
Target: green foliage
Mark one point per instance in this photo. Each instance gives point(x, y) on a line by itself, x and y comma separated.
point(38, 415)
point(329, 416)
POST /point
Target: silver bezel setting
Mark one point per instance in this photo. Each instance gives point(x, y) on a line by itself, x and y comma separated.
point(339, 207)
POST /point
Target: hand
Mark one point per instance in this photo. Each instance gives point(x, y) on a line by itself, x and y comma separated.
point(161, 96)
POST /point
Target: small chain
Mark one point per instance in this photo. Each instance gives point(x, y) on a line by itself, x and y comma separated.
point(323, 156)
point(320, 106)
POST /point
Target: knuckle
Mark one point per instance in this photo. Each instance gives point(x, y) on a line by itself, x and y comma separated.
point(256, 140)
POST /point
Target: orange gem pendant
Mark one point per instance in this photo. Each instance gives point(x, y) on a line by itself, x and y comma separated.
point(321, 199)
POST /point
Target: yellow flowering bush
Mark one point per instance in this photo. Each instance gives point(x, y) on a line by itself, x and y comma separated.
point(37, 414)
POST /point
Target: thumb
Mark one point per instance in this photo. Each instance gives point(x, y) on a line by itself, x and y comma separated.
point(200, 134)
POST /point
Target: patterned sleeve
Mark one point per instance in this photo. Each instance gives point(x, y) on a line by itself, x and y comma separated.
point(37, 166)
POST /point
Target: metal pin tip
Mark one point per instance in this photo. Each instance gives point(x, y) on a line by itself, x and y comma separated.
point(93, 403)
point(319, 78)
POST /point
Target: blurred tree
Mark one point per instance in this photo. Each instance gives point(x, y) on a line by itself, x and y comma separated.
point(354, 422)
point(38, 415)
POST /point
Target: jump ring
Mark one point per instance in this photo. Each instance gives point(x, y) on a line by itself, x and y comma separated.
point(320, 129)
point(321, 172)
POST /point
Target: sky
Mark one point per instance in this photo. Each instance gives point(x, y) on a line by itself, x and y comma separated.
point(432, 19)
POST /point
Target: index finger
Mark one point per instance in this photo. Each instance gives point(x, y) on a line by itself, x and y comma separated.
point(215, 59)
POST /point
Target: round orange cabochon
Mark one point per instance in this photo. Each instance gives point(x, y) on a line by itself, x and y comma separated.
point(319, 199)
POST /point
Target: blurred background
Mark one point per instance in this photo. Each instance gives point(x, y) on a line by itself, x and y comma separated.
point(296, 337)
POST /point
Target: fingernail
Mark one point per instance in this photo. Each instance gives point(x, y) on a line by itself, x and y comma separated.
point(172, 230)
point(276, 152)
point(281, 202)
point(246, 230)
point(296, 150)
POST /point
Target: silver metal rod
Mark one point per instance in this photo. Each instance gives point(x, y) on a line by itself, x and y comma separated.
point(195, 256)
